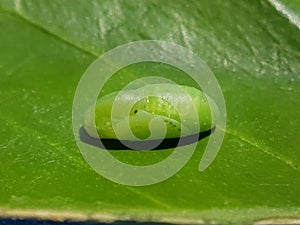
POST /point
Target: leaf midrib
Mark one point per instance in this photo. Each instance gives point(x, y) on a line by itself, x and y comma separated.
point(18, 13)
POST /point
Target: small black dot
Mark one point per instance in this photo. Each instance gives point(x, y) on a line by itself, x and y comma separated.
point(135, 111)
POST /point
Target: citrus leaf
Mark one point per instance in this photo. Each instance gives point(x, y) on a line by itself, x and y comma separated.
point(251, 46)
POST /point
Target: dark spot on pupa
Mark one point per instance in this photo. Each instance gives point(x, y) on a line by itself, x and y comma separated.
point(135, 111)
point(173, 125)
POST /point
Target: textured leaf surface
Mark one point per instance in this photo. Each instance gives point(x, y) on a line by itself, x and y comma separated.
point(253, 49)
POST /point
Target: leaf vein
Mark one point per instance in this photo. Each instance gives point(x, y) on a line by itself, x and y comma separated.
point(262, 148)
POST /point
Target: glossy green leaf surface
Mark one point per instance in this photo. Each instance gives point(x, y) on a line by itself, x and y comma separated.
point(253, 50)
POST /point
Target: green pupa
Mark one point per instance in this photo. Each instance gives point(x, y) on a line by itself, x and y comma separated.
point(163, 103)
